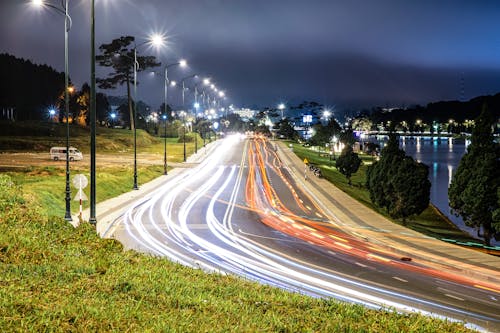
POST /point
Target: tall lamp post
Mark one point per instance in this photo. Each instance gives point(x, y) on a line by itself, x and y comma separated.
point(183, 114)
point(67, 27)
point(183, 109)
point(181, 63)
point(155, 40)
point(92, 219)
point(164, 117)
point(281, 107)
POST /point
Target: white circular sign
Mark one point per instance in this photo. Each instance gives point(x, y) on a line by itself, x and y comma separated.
point(80, 181)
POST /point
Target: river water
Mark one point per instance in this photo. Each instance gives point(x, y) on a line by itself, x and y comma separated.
point(442, 156)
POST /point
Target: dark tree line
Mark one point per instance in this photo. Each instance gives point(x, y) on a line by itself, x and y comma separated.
point(439, 112)
point(28, 88)
point(32, 89)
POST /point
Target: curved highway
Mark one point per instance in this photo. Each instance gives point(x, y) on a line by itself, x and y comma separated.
point(240, 212)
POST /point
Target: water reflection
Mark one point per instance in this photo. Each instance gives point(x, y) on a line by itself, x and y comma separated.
point(442, 155)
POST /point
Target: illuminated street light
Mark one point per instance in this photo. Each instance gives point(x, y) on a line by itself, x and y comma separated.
point(156, 40)
point(67, 26)
point(52, 112)
point(281, 107)
point(181, 63)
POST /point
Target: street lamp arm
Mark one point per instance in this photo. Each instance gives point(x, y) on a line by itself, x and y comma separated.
point(63, 11)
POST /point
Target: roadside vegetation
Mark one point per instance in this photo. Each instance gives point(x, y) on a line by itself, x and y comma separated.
point(430, 222)
point(47, 183)
point(58, 278)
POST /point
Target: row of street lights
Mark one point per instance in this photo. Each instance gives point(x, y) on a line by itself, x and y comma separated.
point(156, 40)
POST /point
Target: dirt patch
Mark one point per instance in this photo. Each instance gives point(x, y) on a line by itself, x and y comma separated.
point(26, 160)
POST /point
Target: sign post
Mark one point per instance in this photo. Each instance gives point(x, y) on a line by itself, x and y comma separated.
point(306, 162)
point(80, 182)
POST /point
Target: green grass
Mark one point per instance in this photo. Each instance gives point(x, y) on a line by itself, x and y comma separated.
point(40, 136)
point(431, 222)
point(55, 278)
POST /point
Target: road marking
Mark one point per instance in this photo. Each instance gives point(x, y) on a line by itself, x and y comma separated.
point(374, 256)
point(455, 297)
point(360, 264)
point(317, 235)
point(338, 238)
point(198, 226)
point(344, 246)
point(486, 288)
point(399, 279)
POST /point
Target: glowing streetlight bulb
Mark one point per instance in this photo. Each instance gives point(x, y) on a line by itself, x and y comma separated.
point(221, 93)
point(183, 63)
point(37, 2)
point(157, 40)
point(206, 81)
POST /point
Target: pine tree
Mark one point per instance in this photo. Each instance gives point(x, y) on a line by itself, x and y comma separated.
point(473, 192)
point(398, 183)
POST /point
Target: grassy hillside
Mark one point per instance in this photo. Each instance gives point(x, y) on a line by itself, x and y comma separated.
point(40, 136)
point(55, 278)
point(47, 183)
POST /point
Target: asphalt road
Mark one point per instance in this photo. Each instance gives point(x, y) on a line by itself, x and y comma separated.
point(240, 212)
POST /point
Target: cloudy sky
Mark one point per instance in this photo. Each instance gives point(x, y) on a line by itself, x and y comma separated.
point(262, 52)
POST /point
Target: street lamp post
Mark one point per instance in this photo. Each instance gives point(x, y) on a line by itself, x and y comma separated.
point(181, 63)
point(67, 28)
point(158, 40)
point(281, 107)
point(183, 114)
point(164, 116)
point(136, 65)
point(92, 219)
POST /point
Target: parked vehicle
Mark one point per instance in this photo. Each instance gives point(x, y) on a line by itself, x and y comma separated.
point(59, 153)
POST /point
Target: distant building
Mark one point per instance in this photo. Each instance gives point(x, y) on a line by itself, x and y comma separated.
point(7, 113)
point(245, 113)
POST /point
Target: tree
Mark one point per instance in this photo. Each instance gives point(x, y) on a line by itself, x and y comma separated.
point(119, 55)
point(473, 192)
point(286, 130)
point(398, 183)
point(83, 101)
point(362, 124)
point(348, 162)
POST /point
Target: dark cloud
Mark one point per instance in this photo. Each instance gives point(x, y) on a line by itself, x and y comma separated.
point(265, 51)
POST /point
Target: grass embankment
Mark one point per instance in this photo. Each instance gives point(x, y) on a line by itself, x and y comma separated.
point(47, 184)
point(57, 278)
point(431, 222)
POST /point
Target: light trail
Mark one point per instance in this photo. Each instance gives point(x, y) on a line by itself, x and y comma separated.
point(211, 195)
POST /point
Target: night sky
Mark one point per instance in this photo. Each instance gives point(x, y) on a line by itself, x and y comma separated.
point(341, 53)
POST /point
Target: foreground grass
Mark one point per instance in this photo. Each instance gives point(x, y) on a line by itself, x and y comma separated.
point(57, 278)
point(431, 222)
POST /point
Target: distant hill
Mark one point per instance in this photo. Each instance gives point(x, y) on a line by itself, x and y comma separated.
point(439, 112)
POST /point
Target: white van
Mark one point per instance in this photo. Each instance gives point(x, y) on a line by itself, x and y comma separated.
point(59, 153)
